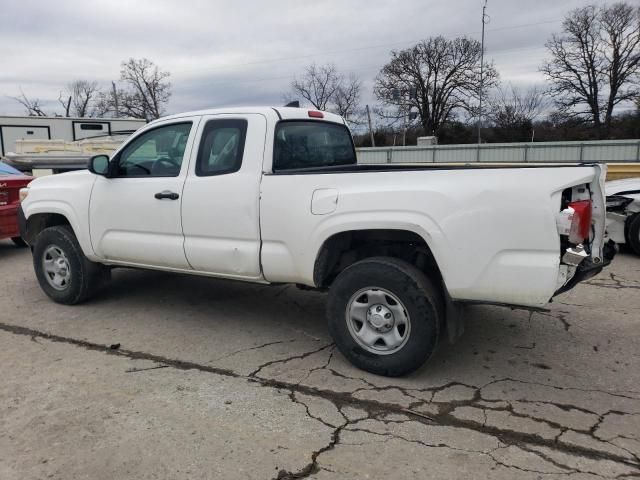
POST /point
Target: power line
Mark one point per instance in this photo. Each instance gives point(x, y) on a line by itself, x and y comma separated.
point(359, 71)
point(485, 20)
point(373, 47)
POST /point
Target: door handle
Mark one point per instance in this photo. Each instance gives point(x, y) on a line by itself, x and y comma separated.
point(167, 194)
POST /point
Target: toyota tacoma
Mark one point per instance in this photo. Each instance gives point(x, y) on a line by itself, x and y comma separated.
point(275, 195)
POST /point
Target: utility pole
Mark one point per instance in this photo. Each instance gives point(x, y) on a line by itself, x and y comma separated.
point(115, 99)
point(373, 140)
point(485, 18)
point(404, 131)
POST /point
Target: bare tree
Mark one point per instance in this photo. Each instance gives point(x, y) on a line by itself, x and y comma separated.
point(437, 77)
point(318, 85)
point(79, 98)
point(66, 104)
point(510, 107)
point(346, 101)
point(85, 94)
point(595, 62)
point(146, 93)
point(512, 113)
point(327, 89)
point(31, 105)
point(621, 31)
point(108, 102)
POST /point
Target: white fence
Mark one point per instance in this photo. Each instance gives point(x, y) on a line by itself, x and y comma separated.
point(623, 151)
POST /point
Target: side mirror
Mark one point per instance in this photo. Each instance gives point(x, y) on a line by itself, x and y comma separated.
point(99, 164)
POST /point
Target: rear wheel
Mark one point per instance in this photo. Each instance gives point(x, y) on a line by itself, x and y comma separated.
point(19, 242)
point(633, 233)
point(384, 315)
point(64, 273)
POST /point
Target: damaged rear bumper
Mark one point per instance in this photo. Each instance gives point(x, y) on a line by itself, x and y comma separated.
point(587, 268)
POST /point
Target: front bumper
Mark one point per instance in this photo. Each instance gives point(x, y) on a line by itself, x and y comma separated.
point(588, 269)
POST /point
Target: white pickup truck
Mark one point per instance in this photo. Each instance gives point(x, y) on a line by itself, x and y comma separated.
point(275, 195)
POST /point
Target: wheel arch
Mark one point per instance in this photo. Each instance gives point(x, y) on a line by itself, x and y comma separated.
point(346, 247)
point(40, 216)
point(342, 249)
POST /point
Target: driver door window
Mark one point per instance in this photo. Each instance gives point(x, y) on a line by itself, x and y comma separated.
point(156, 153)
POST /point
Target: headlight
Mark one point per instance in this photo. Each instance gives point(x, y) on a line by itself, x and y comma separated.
point(22, 195)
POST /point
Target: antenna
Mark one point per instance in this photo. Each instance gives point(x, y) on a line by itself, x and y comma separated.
point(485, 20)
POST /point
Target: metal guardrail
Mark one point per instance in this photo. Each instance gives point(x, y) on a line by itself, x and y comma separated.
point(616, 171)
point(618, 151)
point(621, 155)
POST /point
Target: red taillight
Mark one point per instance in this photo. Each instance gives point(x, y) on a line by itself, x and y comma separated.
point(315, 114)
point(581, 221)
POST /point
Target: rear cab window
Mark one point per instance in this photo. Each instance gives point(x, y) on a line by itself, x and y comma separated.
point(301, 144)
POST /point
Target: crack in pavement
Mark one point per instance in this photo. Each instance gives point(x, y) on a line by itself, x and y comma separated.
point(332, 350)
point(249, 349)
point(556, 315)
point(618, 283)
point(577, 389)
point(284, 360)
point(352, 426)
point(490, 453)
point(374, 408)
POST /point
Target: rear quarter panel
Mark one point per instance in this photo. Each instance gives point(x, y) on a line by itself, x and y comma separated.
point(492, 231)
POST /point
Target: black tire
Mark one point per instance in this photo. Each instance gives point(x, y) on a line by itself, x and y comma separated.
point(19, 242)
point(421, 300)
point(633, 233)
point(84, 276)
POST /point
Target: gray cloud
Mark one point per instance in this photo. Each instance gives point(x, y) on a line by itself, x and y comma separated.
point(227, 52)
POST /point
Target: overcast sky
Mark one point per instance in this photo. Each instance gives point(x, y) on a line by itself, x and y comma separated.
point(234, 52)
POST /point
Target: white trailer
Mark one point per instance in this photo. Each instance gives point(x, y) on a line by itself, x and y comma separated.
point(60, 128)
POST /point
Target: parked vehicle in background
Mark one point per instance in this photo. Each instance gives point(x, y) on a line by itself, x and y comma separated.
point(11, 181)
point(623, 212)
point(275, 195)
point(60, 128)
point(43, 157)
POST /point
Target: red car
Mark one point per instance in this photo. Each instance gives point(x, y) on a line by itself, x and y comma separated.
point(11, 181)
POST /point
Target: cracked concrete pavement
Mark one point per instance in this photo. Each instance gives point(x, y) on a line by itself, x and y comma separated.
point(215, 379)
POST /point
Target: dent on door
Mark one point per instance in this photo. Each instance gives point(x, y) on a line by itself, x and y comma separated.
point(324, 201)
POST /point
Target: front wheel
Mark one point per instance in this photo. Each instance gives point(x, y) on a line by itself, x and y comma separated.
point(63, 272)
point(384, 315)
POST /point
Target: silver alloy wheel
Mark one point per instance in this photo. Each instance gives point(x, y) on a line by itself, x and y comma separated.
point(56, 267)
point(378, 321)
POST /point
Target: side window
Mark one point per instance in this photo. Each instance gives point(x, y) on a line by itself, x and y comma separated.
point(156, 153)
point(91, 126)
point(221, 147)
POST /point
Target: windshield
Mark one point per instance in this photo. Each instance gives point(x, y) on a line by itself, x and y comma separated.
point(310, 144)
point(8, 170)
